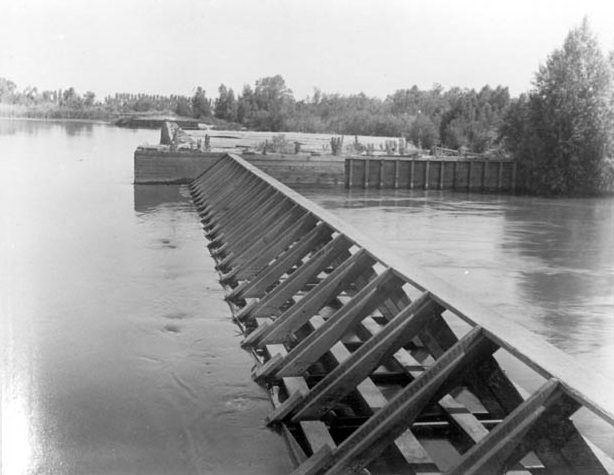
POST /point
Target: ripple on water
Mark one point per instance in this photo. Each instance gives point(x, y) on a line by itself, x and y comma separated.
point(170, 328)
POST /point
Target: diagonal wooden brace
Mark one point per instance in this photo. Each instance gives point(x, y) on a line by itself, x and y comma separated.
point(344, 378)
point(320, 295)
point(310, 349)
point(372, 437)
point(271, 302)
point(266, 278)
point(492, 453)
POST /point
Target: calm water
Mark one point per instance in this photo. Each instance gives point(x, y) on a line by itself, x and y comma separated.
point(118, 355)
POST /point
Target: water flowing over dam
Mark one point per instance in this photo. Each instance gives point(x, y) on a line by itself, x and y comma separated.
point(372, 363)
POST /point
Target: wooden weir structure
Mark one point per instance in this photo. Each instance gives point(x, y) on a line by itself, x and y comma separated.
point(376, 367)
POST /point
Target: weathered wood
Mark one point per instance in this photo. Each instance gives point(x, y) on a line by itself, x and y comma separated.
point(427, 166)
point(319, 296)
point(315, 463)
point(315, 431)
point(238, 232)
point(370, 439)
point(284, 276)
point(271, 303)
point(311, 348)
point(364, 360)
point(396, 174)
point(268, 239)
point(442, 168)
point(492, 454)
point(267, 277)
point(350, 174)
point(532, 350)
point(407, 445)
point(261, 204)
point(366, 177)
point(454, 175)
point(275, 241)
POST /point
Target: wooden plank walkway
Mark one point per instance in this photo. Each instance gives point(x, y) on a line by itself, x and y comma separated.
point(357, 350)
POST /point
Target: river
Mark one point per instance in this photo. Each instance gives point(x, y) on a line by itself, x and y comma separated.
point(118, 355)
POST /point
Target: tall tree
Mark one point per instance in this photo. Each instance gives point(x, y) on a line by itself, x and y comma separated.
point(7, 90)
point(201, 106)
point(273, 101)
point(569, 119)
point(226, 104)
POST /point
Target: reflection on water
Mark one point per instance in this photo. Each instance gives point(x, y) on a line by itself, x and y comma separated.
point(118, 354)
point(148, 198)
point(34, 127)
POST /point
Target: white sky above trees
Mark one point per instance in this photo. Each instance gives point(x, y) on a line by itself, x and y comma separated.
point(346, 46)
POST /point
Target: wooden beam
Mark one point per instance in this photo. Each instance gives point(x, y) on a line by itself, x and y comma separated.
point(372, 437)
point(492, 454)
point(311, 348)
point(269, 276)
point(271, 303)
point(344, 378)
point(326, 290)
point(590, 388)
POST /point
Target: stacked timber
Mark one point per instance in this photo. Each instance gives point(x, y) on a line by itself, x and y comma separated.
point(371, 370)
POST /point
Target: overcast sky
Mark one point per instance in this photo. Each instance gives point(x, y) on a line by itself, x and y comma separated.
point(347, 46)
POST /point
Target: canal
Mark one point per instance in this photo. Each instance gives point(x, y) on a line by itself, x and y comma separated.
point(118, 355)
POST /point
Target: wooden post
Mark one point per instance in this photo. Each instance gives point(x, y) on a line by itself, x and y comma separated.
point(514, 167)
point(470, 164)
point(366, 177)
point(500, 176)
point(442, 167)
point(454, 173)
point(350, 173)
point(381, 174)
point(411, 174)
point(426, 174)
point(396, 174)
point(484, 174)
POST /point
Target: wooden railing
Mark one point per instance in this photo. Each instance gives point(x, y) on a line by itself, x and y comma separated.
point(374, 364)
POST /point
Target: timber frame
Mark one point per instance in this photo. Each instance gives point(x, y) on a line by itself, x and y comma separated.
point(374, 365)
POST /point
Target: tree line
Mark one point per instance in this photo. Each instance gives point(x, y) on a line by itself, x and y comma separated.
point(561, 132)
point(455, 118)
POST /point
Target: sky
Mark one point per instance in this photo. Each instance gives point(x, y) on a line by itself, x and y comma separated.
point(338, 46)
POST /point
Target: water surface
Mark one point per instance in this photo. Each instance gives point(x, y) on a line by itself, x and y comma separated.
point(548, 264)
point(118, 354)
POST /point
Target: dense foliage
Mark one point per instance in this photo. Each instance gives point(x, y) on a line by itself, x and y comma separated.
point(457, 118)
point(561, 133)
